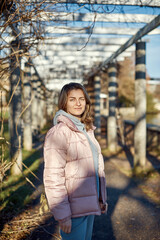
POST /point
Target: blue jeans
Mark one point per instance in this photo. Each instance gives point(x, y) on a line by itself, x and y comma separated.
point(82, 228)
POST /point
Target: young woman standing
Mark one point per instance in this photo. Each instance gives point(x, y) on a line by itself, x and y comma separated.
point(74, 176)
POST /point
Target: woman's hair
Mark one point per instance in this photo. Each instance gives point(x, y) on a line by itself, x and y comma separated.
point(62, 102)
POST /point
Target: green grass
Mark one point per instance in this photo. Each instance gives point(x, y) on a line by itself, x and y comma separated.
point(4, 114)
point(47, 126)
point(6, 130)
point(16, 191)
point(5, 125)
point(4, 143)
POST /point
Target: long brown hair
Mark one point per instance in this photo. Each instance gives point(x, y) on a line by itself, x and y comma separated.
point(62, 102)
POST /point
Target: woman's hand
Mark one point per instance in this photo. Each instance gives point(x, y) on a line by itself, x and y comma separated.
point(103, 207)
point(66, 226)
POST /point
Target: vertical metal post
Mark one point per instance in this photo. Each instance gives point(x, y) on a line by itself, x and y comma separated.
point(112, 95)
point(50, 106)
point(1, 106)
point(43, 108)
point(90, 91)
point(27, 117)
point(97, 116)
point(140, 106)
point(34, 104)
point(39, 109)
point(15, 110)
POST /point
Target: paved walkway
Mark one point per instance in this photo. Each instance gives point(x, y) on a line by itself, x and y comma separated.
point(131, 216)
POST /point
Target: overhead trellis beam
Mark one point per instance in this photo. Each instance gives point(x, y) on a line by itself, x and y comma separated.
point(67, 41)
point(81, 58)
point(142, 32)
point(69, 49)
point(96, 30)
point(86, 53)
point(101, 48)
point(97, 17)
point(150, 3)
point(58, 83)
point(86, 63)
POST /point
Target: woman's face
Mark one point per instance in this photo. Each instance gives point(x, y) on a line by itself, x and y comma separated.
point(76, 103)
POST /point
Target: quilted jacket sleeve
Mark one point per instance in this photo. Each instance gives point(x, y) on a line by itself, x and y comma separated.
point(55, 149)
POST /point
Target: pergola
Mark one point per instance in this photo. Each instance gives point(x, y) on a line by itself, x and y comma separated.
point(86, 38)
point(68, 52)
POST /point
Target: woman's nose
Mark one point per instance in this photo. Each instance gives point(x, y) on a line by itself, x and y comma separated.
point(78, 102)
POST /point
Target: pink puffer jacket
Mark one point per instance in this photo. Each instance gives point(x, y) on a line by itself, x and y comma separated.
point(69, 173)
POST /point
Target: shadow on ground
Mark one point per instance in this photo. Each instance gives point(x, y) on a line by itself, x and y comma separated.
point(131, 215)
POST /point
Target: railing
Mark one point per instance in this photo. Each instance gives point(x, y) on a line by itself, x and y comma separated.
point(125, 133)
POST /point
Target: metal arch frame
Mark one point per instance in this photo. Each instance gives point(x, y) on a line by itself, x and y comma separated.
point(97, 17)
point(142, 32)
point(152, 3)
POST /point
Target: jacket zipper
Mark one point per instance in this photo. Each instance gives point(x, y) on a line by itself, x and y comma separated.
point(95, 173)
point(94, 167)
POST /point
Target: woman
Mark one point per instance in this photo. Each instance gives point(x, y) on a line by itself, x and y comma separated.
point(74, 176)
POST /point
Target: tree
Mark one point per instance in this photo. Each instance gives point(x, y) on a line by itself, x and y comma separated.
point(22, 28)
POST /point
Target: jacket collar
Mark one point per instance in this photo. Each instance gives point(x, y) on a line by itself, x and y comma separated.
point(67, 121)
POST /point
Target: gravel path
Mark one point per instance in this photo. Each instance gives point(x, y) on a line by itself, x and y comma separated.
point(131, 216)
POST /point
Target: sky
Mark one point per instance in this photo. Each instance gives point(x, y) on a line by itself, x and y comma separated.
point(153, 57)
